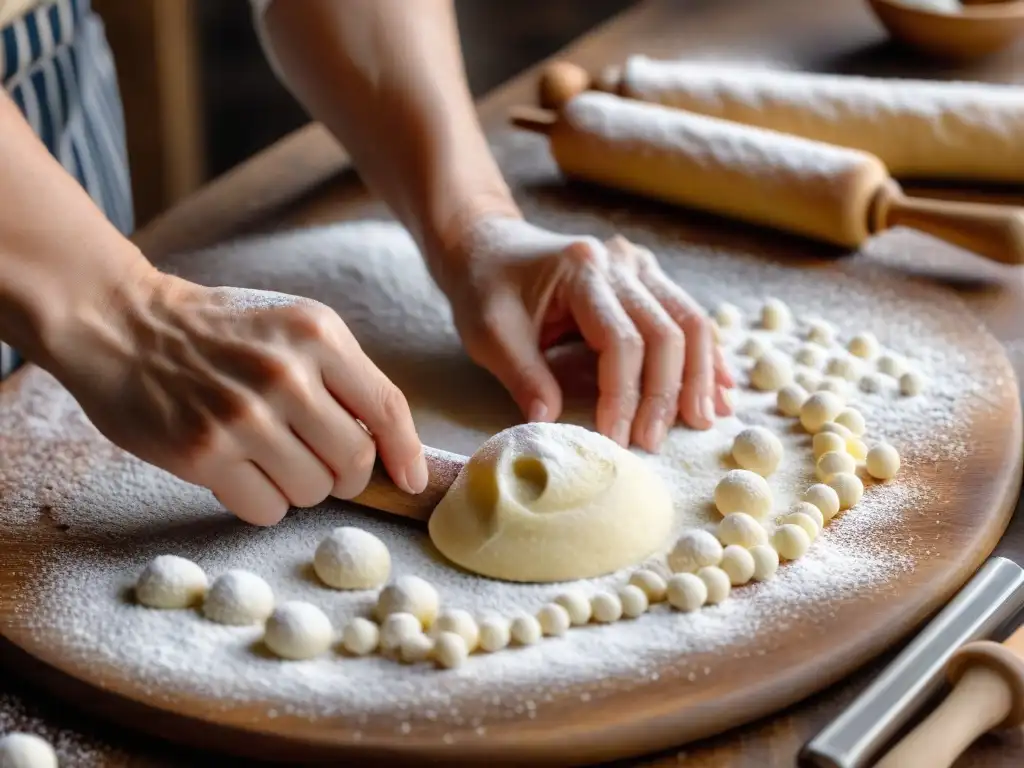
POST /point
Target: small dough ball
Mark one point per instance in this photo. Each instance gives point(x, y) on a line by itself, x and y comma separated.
point(298, 630)
point(360, 637)
point(821, 332)
point(576, 605)
point(766, 562)
point(741, 529)
point(717, 582)
point(728, 316)
point(416, 648)
point(686, 592)
point(634, 601)
point(870, 383)
point(790, 399)
point(495, 634)
point(912, 383)
point(883, 461)
point(843, 367)
point(525, 630)
point(170, 581)
point(238, 598)
point(848, 487)
point(891, 365)
point(650, 582)
point(864, 345)
point(771, 372)
point(738, 564)
point(821, 407)
point(791, 541)
point(693, 550)
point(351, 558)
point(811, 355)
point(833, 463)
point(775, 315)
point(837, 429)
point(397, 627)
point(757, 449)
point(743, 491)
point(801, 520)
point(554, 620)
point(857, 448)
point(461, 623)
point(826, 442)
point(450, 650)
point(833, 384)
point(824, 498)
point(809, 380)
point(754, 347)
point(605, 607)
point(26, 750)
point(409, 594)
point(806, 508)
point(852, 419)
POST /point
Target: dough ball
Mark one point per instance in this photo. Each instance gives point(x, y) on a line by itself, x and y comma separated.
point(360, 637)
point(864, 345)
point(811, 355)
point(791, 541)
point(766, 562)
point(738, 564)
point(26, 750)
point(170, 581)
point(239, 598)
point(717, 582)
point(843, 367)
point(634, 601)
point(775, 315)
point(554, 620)
point(852, 419)
point(351, 558)
point(848, 487)
point(577, 605)
point(741, 529)
point(912, 383)
point(833, 384)
point(821, 407)
point(837, 429)
point(409, 594)
point(552, 502)
point(757, 449)
point(883, 462)
point(728, 316)
point(771, 372)
point(525, 630)
point(827, 442)
point(462, 624)
point(693, 550)
point(686, 592)
point(450, 650)
point(495, 634)
point(806, 508)
point(754, 347)
point(833, 463)
point(605, 607)
point(808, 380)
point(298, 630)
point(891, 365)
point(416, 648)
point(857, 448)
point(824, 498)
point(651, 583)
point(870, 383)
point(821, 332)
point(396, 628)
point(790, 399)
point(743, 491)
point(801, 520)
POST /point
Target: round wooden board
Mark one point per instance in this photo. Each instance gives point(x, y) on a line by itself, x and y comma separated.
point(972, 495)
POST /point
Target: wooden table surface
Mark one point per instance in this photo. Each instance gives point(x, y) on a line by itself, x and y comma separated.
point(304, 180)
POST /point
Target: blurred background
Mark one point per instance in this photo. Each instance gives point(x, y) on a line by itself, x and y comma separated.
point(200, 97)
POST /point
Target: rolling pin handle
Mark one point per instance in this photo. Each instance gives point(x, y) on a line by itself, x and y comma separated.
point(531, 119)
point(382, 494)
point(560, 82)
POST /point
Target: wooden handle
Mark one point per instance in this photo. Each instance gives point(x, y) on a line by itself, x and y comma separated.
point(531, 119)
point(993, 231)
point(560, 82)
point(382, 494)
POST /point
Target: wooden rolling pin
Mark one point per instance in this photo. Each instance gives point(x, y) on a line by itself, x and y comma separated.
point(383, 495)
point(818, 190)
point(988, 693)
point(919, 129)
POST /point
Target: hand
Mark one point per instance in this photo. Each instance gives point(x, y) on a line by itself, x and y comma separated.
point(516, 290)
point(254, 395)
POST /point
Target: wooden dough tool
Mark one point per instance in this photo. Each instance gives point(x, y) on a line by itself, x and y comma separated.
point(988, 693)
point(383, 495)
point(830, 193)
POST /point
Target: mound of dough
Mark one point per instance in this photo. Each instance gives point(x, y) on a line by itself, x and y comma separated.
point(552, 502)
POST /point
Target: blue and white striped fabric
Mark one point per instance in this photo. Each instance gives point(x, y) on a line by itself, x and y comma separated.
point(56, 65)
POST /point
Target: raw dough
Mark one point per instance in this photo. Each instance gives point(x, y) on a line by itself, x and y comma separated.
point(857, 448)
point(552, 502)
point(883, 462)
point(791, 541)
point(852, 419)
point(738, 564)
point(821, 332)
point(605, 607)
point(298, 630)
point(360, 637)
point(26, 750)
point(775, 315)
point(396, 628)
point(728, 316)
point(650, 582)
point(416, 648)
point(833, 384)
point(837, 429)
point(806, 508)
point(844, 367)
point(821, 407)
point(848, 487)
point(717, 582)
point(239, 598)
point(891, 365)
point(450, 650)
point(803, 521)
point(864, 345)
point(744, 491)
point(695, 549)
point(577, 605)
point(170, 581)
point(461, 623)
point(754, 347)
point(686, 592)
point(495, 634)
point(810, 354)
point(409, 594)
point(912, 383)
point(554, 620)
point(525, 630)
point(634, 601)
point(742, 529)
point(771, 372)
point(757, 449)
point(809, 380)
point(351, 558)
point(871, 382)
point(834, 462)
point(824, 498)
point(827, 442)
point(790, 399)
point(766, 562)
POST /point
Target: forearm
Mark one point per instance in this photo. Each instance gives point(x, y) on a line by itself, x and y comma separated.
point(386, 76)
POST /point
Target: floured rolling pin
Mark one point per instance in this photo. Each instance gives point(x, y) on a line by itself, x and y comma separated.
point(988, 693)
point(383, 495)
point(834, 194)
point(918, 128)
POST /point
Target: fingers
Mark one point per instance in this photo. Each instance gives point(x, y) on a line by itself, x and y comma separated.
point(246, 491)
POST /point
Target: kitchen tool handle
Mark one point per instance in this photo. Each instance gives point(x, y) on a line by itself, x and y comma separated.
point(382, 494)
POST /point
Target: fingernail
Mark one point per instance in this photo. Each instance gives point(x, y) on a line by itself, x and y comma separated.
point(655, 434)
point(538, 411)
point(726, 395)
point(416, 476)
point(707, 408)
point(620, 434)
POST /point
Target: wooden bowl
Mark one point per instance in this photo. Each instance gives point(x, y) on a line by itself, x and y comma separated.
point(979, 29)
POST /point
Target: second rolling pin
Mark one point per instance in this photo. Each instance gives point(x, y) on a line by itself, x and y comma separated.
point(830, 193)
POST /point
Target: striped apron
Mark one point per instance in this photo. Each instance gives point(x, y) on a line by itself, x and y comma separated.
point(57, 67)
